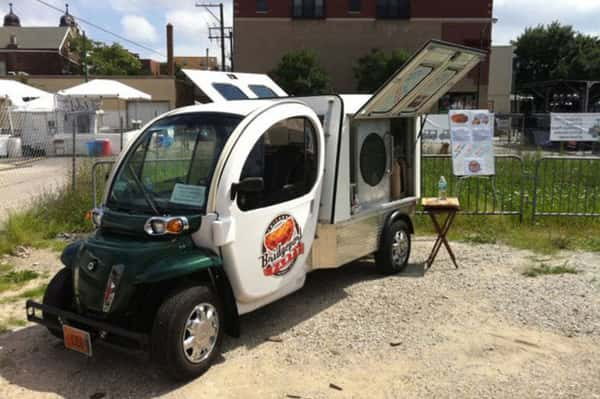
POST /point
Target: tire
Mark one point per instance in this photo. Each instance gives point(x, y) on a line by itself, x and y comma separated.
point(59, 294)
point(169, 332)
point(394, 251)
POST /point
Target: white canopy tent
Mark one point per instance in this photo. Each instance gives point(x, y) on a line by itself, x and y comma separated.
point(19, 93)
point(106, 88)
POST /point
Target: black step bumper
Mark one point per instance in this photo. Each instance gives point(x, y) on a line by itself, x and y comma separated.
point(103, 330)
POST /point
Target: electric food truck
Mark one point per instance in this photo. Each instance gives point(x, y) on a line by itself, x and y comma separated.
point(216, 210)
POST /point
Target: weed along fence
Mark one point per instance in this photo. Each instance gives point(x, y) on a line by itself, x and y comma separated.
point(501, 194)
point(566, 186)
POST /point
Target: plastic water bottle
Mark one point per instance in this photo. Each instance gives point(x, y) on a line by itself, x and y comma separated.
point(442, 188)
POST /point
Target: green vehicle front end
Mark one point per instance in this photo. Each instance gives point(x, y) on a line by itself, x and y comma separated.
point(139, 281)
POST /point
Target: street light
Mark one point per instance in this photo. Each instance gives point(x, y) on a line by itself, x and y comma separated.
point(485, 27)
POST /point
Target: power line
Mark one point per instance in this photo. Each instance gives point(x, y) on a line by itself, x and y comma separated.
point(103, 29)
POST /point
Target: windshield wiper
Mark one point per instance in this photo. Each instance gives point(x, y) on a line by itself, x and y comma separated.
point(147, 195)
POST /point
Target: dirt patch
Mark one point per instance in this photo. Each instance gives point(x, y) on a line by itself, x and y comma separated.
point(484, 330)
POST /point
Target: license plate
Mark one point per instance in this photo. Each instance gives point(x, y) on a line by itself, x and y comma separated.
point(77, 340)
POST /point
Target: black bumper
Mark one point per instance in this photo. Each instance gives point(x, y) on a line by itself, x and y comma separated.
point(105, 331)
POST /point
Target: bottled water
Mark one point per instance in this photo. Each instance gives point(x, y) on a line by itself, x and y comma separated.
point(442, 188)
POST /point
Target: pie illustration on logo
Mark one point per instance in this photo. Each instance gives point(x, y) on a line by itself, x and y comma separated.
point(282, 245)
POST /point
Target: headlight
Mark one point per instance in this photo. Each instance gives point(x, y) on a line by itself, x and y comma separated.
point(158, 226)
point(97, 216)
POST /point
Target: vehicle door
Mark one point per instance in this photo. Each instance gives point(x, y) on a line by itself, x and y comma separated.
point(267, 234)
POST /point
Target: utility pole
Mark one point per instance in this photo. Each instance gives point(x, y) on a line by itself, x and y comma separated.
point(231, 49)
point(222, 36)
point(221, 20)
point(84, 58)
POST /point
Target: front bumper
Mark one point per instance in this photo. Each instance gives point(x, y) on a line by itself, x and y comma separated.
point(98, 329)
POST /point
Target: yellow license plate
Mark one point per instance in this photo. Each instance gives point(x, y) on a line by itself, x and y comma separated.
point(77, 340)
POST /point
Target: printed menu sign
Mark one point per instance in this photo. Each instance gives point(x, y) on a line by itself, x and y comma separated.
point(471, 135)
point(574, 127)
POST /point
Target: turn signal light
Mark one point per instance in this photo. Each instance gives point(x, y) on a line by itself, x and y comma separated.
point(95, 215)
point(175, 226)
point(158, 226)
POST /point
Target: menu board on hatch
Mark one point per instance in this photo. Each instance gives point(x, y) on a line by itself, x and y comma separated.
point(471, 135)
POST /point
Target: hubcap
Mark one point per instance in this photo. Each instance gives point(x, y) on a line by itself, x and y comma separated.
point(400, 246)
point(201, 332)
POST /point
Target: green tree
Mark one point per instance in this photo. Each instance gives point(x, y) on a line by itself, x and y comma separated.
point(374, 69)
point(104, 59)
point(556, 51)
point(299, 74)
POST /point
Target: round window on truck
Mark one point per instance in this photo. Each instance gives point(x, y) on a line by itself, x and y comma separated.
point(373, 159)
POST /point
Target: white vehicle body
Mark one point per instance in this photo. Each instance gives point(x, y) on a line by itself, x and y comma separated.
point(341, 217)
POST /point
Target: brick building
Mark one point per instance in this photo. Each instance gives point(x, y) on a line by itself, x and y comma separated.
point(342, 31)
point(37, 50)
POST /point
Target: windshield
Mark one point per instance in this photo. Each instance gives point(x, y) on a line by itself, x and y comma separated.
point(170, 166)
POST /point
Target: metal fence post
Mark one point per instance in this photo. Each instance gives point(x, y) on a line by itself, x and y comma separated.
point(121, 133)
point(522, 191)
point(536, 178)
point(73, 158)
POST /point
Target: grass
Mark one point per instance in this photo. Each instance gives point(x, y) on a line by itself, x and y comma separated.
point(52, 213)
point(544, 269)
point(10, 323)
point(571, 186)
point(33, 293)
point(565, 186)
point(13, 280)
point(547, 236)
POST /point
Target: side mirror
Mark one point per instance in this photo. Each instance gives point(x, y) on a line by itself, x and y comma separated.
point(248, 185)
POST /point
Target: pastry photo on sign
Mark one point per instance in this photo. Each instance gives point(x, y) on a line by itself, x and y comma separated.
point(473, 166)
point(459, 118)
point(481, 119)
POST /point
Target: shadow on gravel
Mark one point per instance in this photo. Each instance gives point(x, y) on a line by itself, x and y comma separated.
point(33, 359)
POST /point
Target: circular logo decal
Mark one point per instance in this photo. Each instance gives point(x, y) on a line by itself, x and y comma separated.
point(282, 245)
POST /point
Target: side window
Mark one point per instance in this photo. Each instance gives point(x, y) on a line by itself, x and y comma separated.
point(229, 91)
point(286, 157)
point(262, 91)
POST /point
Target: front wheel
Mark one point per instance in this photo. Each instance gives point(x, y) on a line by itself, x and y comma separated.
point(187, 332)
point(59, 294)
point(394, 249)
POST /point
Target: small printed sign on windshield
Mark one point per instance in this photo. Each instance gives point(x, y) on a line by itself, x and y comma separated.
point(188, 194)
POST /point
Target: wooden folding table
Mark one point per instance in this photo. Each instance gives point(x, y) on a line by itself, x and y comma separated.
point(435, 207)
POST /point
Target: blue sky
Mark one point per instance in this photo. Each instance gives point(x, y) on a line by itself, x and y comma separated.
point(144, 21)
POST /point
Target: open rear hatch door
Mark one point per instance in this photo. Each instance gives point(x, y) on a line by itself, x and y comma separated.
point(425, 77)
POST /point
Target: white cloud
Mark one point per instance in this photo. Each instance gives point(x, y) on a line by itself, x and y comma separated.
point(139, 29)
point(188, 24)
point(127, 5)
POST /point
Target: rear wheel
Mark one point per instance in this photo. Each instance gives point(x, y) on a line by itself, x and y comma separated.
point(187, 332)
point(394, 251)
point(59, 294)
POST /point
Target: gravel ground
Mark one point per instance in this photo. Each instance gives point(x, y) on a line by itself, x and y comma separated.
point(483, 330)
